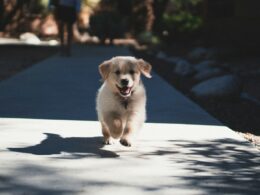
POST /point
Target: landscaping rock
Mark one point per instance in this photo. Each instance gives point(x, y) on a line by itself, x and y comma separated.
point(184, 68)
point(30, 38)
point(201, 53)
point(208, 73)
point(53, 42)
point(250, 98)
point(198, 54)
point(204, 65)
point(161, 55)
point(228, 86)
point(173, 59)
point(212, 54)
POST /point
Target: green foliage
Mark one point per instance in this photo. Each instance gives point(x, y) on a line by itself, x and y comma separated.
point(179, 4)
point(148, 38)
point(38, 7)
point(182, 22)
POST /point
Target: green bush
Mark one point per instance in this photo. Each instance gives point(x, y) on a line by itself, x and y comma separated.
point(148, 38)
point(182, 21)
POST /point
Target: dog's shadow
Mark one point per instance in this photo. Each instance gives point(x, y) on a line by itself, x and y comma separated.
point(76, 147)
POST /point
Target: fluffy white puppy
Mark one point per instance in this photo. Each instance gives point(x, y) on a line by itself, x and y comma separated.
point(121, 100)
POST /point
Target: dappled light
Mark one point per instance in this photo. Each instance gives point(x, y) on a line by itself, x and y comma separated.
point(211, 163)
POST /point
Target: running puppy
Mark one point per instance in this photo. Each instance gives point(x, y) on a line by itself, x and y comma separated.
point(121, 99)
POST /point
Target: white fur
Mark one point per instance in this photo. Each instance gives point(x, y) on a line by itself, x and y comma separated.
point(118, 121)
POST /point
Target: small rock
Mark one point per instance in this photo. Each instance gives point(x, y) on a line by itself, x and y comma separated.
point(250, 98)
point(53, 42)
point(204, 65)
point(208, 73)
point(198, 54)
point(161, 55)
point(30, 38)
point(212, 53)
point(183, 68)
point(173, 59)
point(228, 86)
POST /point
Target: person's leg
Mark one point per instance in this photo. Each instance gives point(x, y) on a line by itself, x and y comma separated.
point(61, 36)
point(69, 37)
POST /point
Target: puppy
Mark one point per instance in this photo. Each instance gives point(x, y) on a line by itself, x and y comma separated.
point(121, 99)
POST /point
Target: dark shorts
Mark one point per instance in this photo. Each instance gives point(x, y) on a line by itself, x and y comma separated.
point(66, 14)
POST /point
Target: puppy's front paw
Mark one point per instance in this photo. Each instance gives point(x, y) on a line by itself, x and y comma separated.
point(125, 142)
point(108, 141)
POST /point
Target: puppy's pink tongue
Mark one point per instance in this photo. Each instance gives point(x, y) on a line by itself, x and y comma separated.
point(125, 90)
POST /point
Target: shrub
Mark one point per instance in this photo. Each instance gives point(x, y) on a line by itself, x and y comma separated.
point(182, 20)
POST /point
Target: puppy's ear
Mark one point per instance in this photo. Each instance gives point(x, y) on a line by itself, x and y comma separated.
point(145, 68)
point(104, 69)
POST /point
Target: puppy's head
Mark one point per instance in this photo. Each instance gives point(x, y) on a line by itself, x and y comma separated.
point(123, 73)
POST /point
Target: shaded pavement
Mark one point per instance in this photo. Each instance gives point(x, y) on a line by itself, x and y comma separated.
point(65, 88)
point(50, 141)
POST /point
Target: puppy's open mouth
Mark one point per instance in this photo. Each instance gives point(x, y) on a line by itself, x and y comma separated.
point(124, 91)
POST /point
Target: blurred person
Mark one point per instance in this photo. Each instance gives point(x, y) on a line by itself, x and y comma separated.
point(66, 12)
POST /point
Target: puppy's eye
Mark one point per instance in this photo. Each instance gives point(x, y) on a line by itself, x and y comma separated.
point(131, 71)
point(117, 72)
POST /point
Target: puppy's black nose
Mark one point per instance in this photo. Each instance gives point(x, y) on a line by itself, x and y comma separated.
point(124, 82)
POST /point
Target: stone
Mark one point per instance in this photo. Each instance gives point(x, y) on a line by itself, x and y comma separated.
point(248, 97)
point(208, 73)
point(53, 42)
point(161, 55)
point(228, 86)
point(198, 54)
point(205, 65)
point(30, 38)
point(201, 53)
point(212, 53)
point(173, 59)
point(183, 68)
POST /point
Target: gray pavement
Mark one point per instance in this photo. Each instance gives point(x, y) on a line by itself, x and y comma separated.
point(65, 88)
point(50, 141)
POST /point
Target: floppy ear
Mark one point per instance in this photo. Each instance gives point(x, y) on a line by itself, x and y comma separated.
point(145, 68)
point(104, 69)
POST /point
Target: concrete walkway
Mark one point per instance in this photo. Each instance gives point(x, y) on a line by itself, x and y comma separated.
point(50, 142)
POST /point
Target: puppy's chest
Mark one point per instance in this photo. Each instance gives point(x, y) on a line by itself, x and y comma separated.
point(123, 106)
point(126, 106)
